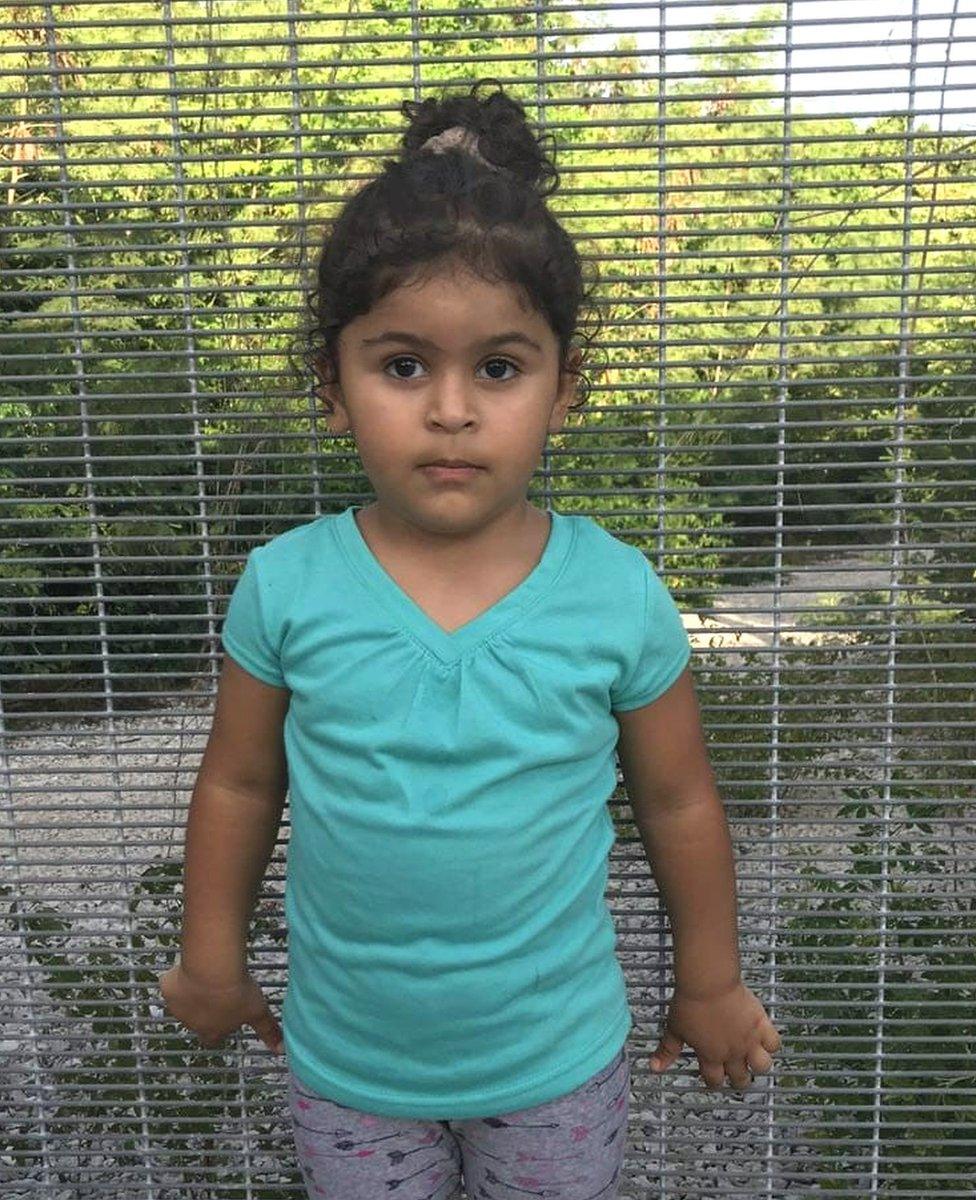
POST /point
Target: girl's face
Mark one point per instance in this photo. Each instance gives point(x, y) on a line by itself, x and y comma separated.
point(471, 373)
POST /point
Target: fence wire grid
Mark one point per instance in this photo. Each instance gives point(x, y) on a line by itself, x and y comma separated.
point(781, 203)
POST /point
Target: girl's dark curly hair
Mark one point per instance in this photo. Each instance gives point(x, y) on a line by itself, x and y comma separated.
point(426, 210)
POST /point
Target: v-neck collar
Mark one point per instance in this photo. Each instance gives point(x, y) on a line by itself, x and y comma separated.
point(449, 647)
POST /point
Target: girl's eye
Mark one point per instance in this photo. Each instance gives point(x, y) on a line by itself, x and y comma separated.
point(409, 358)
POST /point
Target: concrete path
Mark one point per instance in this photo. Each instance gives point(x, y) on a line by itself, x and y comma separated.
point(747, 617)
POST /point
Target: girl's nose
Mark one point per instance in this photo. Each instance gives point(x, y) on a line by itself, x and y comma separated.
point(451, 400)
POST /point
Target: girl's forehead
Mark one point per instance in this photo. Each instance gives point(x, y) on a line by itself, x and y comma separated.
point(453, 303)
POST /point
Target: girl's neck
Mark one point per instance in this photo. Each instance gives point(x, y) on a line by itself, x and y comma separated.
point(511, 535)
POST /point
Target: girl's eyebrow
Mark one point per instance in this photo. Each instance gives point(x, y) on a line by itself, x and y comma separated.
point(412, 339)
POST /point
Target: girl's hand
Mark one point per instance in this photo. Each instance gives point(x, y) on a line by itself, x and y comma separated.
point(213, 1012)
point(729, 1032)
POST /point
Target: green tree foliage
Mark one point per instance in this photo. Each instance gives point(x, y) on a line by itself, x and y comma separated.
point(152, 406)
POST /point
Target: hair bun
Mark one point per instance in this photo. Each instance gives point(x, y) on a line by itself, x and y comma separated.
point(498, 122)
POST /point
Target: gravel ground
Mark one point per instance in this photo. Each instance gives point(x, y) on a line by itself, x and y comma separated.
point(117, 803)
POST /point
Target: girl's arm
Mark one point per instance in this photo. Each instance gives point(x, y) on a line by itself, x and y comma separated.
point(235, 813)
point(671, 787)
point(230, 837)
point(672, 791)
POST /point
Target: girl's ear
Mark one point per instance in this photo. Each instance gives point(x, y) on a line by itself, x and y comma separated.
point(566, 392)
point(329, 392)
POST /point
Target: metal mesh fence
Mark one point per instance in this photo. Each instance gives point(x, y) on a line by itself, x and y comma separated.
point(781, 203)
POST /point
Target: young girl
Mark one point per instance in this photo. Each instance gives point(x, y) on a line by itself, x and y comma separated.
point(440, 680)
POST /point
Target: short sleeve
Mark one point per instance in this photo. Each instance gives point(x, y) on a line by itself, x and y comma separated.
point(662, 650)
point(245, 635)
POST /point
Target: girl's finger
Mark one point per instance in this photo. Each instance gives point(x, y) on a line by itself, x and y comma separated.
point(759, 1061)
point(668, 1049)
point(740, 1076)
point(770, 1038)
point(713, 1075)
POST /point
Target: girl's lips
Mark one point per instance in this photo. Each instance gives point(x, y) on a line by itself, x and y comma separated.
point(450, 474)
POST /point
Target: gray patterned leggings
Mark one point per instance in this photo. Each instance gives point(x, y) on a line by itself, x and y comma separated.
point(570, 1148)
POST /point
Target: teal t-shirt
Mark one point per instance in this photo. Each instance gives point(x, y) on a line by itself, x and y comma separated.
point(450, 950)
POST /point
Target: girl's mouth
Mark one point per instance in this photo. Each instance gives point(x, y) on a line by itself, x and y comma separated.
point(441, 474)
